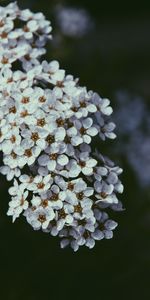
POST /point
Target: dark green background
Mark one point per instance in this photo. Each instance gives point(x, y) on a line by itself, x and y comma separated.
point(115, 55)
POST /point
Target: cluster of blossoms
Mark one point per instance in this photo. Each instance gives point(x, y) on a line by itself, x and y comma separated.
point(23, 35)
point(49, 127)
point(73, 22)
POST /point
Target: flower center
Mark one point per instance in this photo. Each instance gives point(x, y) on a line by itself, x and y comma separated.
point(78, 208)
point(41, 218)
point(44, 203)
point(53, 156)
point(103, 195)
point(4, 35)
point(25, 100)
point(83, 104)
point(82, 164)
point(13, 139)
point(54, 197)
point(62, 214)
point(50, 139)
point(14, 155)
point(80, 195)
point(35, 136)
point(40, 185)
point(41, 122)
point(70, 186)
point(28, 152)
point(82, 130)
point(42, 99)
point(60, 122)
point(12, 109)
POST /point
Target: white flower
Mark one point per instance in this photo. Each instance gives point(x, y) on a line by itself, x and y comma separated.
point(53, 158)
point(4, 129)
point(51, 67)
point(56, 197)
point(82, 105)
point(18, 204)
point(40, 217)
point(10, 173)
point(30, 27)
point(61, 220)
point(26, 14)
point(102, 105)
point(35, 136)
point(17, 188)
point(106, 130)
point(37, 184)
point(104, 192)
point(85, 131)
point(12, 139)
point(99, 172)
point(84, 164)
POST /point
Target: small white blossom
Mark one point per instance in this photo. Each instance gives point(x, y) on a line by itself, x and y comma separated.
point(40, 217)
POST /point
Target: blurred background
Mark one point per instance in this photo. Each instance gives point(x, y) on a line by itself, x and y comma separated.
point(106, 45)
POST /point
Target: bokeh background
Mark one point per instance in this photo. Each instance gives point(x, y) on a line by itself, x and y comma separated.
point(107, 45)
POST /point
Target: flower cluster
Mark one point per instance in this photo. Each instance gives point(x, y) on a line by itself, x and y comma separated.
point(23, 35)
point(49, 127)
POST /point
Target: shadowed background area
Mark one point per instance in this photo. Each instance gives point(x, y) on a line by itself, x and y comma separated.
point(110, 52)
